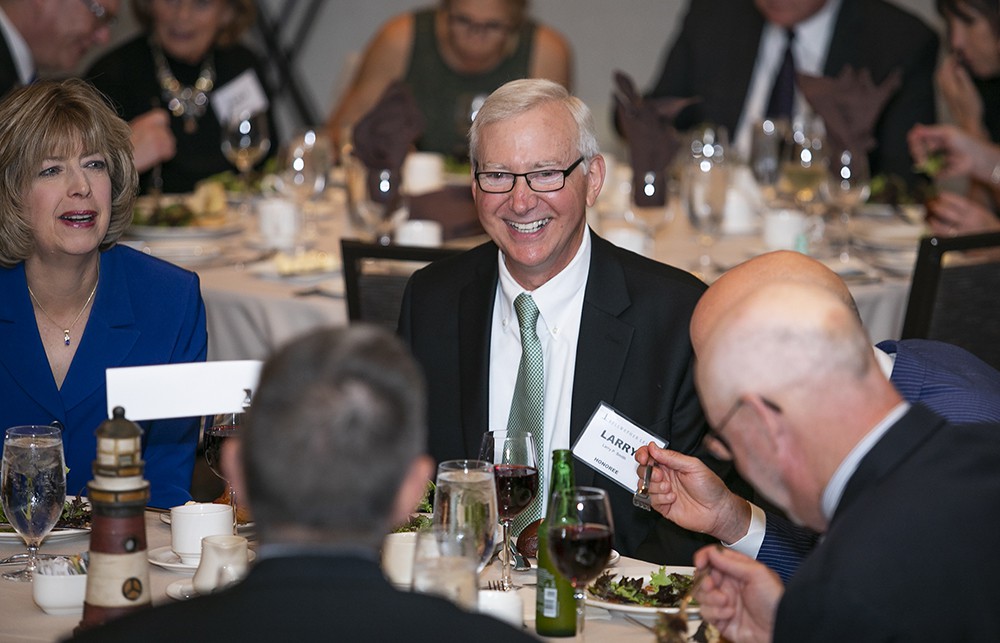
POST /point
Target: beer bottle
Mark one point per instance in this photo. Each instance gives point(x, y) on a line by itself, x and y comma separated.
point(555, 607)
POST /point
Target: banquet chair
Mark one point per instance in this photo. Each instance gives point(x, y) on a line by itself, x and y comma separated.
point(954, 294)
point(376, 275)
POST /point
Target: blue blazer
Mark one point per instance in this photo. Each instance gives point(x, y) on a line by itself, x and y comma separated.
point(146, 311)
point(947, 379)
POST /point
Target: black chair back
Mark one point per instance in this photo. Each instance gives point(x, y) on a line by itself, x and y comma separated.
point(375, 277)
point(955, 294)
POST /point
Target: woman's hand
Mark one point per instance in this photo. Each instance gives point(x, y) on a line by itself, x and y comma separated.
point(951, 214)
point(960, 94)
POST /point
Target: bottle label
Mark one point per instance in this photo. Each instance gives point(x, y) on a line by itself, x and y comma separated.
point(550, 604)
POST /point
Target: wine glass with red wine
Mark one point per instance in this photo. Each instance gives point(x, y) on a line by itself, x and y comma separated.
point(581, 533)
point(516, 476)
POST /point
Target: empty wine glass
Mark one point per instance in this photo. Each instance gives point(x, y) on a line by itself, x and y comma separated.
point(305, 167)
point(465, 501)
point(705, 188)
point(846, 187)
point(803, 167)
point(245, 141)
point(375, 199)
point(581, 535)
point(649, 210)
point(32, 487)
point(516, 475)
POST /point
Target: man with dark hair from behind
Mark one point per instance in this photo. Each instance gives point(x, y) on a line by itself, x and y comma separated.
point(331, 457)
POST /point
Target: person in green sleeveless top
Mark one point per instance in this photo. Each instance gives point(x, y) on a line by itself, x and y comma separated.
point(452, 57)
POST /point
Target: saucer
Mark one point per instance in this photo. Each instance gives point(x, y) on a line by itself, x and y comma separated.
point(181, 590)
point(166, 558)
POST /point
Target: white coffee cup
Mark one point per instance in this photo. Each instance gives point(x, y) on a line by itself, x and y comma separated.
point(190, 523)
point(397, 558)
point(506, 606)
point(423, 172)
point(280, 223)
point(224, 562)
point(419, 232)
point(784, 229)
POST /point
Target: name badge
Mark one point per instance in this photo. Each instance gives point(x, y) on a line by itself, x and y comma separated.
point(608, 445)
point(243, 94)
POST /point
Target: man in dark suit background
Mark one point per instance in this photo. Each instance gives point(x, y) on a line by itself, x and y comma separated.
point(728, 53)
point(331, 458)
point(613, 324)
point(790, 383)
point(49, 36)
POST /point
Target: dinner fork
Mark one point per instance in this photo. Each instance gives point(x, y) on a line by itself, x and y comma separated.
point(496, 586)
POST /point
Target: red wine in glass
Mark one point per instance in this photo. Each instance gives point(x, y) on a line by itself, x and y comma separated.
point(517, 486)
point(581, 551)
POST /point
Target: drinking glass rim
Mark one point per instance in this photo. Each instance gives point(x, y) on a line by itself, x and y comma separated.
point(465, 465)
point(39, 430)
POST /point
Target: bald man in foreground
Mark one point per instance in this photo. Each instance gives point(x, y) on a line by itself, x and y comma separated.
point(789, 381)
point(948, 380)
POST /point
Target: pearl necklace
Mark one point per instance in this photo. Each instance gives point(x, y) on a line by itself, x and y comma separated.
point(188, 103)
point(66, 330)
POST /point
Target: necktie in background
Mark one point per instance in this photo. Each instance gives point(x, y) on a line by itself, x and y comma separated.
point(783, 92)
point(528, 404)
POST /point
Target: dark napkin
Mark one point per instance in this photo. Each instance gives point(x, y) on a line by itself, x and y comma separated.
point(850, 105)
point(384, 135)
point(452, 207)
point(647, 124)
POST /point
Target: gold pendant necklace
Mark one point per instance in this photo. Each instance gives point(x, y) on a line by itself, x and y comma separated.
point(66, 337)
point(188, 103)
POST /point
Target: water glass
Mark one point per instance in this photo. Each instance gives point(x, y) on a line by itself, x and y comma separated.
point(465, 503)
point(444, 564)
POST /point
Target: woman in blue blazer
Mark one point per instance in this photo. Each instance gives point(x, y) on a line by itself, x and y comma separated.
point(72, 302)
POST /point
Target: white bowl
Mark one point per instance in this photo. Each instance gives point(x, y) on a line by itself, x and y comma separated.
point(59, 595)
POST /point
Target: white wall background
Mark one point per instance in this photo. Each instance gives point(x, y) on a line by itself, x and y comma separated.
point(631, 35)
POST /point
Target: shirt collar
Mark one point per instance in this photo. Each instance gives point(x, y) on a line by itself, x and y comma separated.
point(838, 482)
point(18, 49)
point(552, 297)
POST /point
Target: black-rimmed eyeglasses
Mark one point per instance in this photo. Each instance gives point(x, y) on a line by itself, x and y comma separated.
point(104, 17)
point(716, 433)
point(539, 180)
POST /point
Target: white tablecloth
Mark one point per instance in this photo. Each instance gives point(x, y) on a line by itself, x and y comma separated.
point(22, 620)
point(249, 315)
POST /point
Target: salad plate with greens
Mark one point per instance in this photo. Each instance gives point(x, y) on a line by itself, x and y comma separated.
point(641, 590)
point(75, 521)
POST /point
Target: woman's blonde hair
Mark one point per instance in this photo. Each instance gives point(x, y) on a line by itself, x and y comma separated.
point(51, 118)
point(244, 13)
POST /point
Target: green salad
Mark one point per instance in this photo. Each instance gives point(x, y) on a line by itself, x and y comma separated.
point(75, 515)
point(662, 590)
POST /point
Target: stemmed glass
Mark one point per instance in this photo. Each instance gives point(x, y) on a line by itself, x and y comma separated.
point(375, 199)
point(650, 219)
point(32, 487)
point(803, 169)
point(306, 165)
point(246, 139)
point(706, 185)
point(224, 426)
point(465, 502)
point(516, 476)
point(581, 534)
point(846, 187)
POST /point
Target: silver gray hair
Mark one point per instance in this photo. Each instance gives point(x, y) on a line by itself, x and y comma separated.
point(519, 96)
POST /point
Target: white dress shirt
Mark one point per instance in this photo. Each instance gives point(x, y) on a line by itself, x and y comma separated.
point(560, 307)
point(812, 43)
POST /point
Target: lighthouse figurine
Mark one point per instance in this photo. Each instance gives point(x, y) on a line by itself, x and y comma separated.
point(118, 572)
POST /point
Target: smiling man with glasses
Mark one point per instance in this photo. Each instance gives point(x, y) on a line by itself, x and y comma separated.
point(49, 36)
point(611, 325)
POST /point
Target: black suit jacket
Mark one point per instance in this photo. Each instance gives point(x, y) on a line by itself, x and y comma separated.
point(911, 552)
point(308, 598)
point(634, 353)
point(715, 52)
point(8, 70)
